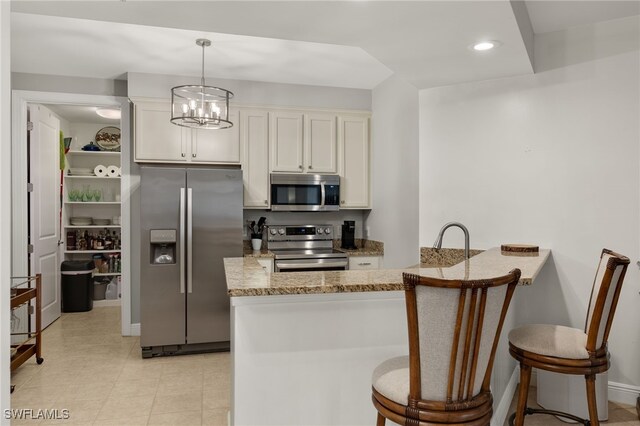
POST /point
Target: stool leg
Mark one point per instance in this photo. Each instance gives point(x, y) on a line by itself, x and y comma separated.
point(523, 393)
point(381, 420)
point(591, 399)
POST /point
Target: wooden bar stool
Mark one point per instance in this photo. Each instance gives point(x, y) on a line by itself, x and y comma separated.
point(569, 350)
point(454, 327)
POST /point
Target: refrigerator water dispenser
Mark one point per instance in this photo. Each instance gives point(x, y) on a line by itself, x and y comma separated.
point(163, 246)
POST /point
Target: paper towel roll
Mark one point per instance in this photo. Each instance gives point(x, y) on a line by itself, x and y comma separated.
point(100, 170)
point(112, 171)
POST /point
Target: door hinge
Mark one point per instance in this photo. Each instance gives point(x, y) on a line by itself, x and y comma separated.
point(29, 126)
point(30, 248)
point(29, 187)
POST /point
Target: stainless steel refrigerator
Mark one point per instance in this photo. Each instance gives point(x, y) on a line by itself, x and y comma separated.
point(190, 220)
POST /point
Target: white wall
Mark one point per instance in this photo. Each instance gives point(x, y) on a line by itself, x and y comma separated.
point(394, 172)
point(5, 204)
point(549, 159)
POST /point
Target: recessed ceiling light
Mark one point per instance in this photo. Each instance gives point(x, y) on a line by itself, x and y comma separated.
point(483, 46)
point(111, 113)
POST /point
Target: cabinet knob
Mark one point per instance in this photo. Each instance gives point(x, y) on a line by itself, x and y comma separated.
point(342, 202)
point(265, 201)
point(194, 155)
point(300, 167)
point(310, 167)
point(182, 154)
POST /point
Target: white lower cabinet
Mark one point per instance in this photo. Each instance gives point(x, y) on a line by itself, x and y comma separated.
point(364, 262)
point(266, 263)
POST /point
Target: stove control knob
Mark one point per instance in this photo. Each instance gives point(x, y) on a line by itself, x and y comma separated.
point(281, 231)
point(273, 231)
point(327, 231)
point(320, 231)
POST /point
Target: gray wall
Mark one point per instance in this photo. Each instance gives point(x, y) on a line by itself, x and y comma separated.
point(394, 172)
point(255, 92)
point(65, 84)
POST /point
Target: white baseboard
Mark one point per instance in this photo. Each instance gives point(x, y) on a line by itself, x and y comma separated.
point(135, 329)
point(106, 302)
point(500, 414)
point(625, 394)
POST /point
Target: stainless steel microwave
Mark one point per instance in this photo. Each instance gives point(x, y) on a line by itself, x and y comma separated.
point(297, 193)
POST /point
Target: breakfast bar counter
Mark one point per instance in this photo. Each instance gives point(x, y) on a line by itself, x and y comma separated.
point(245, 276)
point(304, 344)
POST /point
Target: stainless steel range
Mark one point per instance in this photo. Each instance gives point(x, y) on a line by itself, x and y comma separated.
point(304, 248)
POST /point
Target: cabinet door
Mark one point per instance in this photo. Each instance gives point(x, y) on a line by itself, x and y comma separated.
point(254, 136)
point(353, 137)
point(364, 262)
point(321, 145)
point(267, 265)
point(156, 138)
point(217, 146)
point(285, 143)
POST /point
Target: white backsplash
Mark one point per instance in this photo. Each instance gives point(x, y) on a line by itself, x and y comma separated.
point(335, 219)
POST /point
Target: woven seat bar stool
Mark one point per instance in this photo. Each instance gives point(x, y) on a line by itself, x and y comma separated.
point(454, 327)
point(569, 350)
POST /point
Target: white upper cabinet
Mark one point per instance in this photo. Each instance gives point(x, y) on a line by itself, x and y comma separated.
point(254, 139)
point(157, 140)
point(217, 146)
point(286, 142)
point(321, 144)
point(353, 164)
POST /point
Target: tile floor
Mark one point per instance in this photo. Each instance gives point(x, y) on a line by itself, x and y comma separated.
point(619, 414)
point(100, 377)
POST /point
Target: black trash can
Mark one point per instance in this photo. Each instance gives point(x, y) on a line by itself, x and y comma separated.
point(77, 285)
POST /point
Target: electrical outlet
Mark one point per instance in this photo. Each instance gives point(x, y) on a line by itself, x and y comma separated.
point(367, 232)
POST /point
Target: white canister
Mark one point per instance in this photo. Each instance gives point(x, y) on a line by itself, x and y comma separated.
point(256, 244)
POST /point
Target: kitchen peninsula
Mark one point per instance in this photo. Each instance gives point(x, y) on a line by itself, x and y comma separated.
point(304, 344)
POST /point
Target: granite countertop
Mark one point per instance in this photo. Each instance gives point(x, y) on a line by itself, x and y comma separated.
point(365, 248)
point(245, 276)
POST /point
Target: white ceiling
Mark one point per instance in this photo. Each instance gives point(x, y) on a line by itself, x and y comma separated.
point(81, 114)
point(547, 16)
point(79, 47)
point(342, 43)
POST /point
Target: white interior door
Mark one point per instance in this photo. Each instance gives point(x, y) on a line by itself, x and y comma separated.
point(44, 166)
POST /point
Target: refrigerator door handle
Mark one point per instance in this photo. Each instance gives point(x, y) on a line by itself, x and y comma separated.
point(182, 242)
point(190, 240)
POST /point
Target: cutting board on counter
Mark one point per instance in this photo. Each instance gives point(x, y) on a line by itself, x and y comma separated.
point(519, 248)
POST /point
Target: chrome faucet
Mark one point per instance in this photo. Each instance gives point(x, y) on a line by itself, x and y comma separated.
point(438, 243)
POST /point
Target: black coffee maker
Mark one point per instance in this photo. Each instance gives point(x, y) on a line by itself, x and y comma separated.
point(348, 235)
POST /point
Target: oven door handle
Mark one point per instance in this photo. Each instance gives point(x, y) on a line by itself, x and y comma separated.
point(305, 264)
point(322, 193)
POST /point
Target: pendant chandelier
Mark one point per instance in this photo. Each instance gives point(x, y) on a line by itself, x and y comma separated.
point(200, 106)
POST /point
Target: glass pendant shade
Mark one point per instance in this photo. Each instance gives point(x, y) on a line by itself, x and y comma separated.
point(201, 106)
